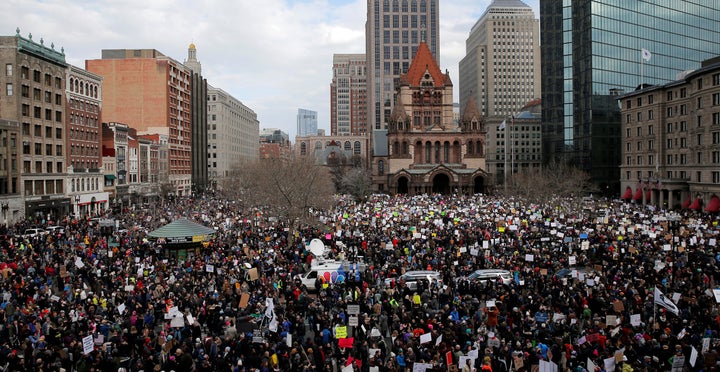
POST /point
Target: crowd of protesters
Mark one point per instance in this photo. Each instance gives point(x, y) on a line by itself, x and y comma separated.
point(235, 303)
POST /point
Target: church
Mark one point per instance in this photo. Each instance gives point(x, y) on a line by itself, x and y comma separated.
point(425, 151)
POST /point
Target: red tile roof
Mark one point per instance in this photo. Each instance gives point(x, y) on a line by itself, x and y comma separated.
point(424, 61)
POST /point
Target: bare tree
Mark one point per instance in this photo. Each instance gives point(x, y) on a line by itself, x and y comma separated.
point(552, 180)
point(285, 188)
point(357, 182)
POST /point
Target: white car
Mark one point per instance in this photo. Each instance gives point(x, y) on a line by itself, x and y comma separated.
point(31, 233)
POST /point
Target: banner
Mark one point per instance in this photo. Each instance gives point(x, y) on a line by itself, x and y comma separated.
point(665, 302)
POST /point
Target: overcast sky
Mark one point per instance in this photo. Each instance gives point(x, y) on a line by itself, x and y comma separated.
point(273, 55)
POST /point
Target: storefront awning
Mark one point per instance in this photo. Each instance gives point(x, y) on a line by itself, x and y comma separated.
point(686, 203)
point(648, 195)
point(714, 205)
point(696, 204)
point(109, 176)
point(638, 194)
point(628, 193)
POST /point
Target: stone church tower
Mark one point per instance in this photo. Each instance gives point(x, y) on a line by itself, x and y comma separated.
point(427, 151)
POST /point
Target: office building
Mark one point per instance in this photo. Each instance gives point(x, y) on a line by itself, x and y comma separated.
point(393, 30)
point(345, 151)
point(426, 152)
point(671, 142)
point(515, 146)
point(33, 112)
point(501, 67)
point(591, 54)
point(348, 95)
point(306, 123)
point(234, 133)
point(199, 122)
point(152, 93)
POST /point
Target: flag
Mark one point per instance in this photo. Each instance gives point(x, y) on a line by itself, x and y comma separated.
point(270, 314)
point(646, 55)
point(665, 302)
point(502, 125)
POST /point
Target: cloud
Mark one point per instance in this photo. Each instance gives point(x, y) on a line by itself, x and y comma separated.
point(273, 55)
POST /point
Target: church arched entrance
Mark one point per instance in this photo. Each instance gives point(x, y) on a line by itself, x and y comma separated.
point(402, 185)
point(441, 184)
point(479, 185)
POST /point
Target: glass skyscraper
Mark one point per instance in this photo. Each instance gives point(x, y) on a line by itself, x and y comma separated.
point(306, 123)
point(591, 54)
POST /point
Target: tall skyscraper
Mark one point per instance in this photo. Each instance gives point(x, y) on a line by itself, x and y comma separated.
point(306, 123)
point(153, 93)
point(348, 95)
point(501, 67)
point(591, 53)
point(199, 120)
point(393, 31)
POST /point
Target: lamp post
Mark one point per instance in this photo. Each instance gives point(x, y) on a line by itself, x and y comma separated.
point(77, 205)
point(5, 207)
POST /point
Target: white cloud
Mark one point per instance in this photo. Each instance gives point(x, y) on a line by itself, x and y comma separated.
point(273, 55)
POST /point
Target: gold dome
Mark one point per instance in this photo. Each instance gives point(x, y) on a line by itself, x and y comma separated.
point(192, 46)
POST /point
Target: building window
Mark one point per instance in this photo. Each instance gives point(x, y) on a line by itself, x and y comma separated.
point(36, 76)
point(716, 79)
point(9, 89)
point(715, 177)
point(381, 167)
point(8, 69)
point(716, 99)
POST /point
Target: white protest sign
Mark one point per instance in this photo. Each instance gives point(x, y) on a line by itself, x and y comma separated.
point(88, 344)
point(425, 338)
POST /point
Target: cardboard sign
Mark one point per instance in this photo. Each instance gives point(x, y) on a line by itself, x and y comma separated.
point(244, 300)
point(618, 306)
point(341, 332)
point(253, 273)
point(88, 344)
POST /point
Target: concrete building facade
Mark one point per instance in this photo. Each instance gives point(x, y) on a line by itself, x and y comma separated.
point(501, 67)
point(233, 135)
point(33, 101)
point(348, 95)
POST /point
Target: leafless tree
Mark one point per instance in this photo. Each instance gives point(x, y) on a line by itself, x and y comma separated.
point(284, 188)
point(357, 182)
point(553, 180)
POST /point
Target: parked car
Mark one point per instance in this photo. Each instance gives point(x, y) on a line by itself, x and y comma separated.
point(56, 231)
point(34, 232)
point(494, 275)
point(411, 278)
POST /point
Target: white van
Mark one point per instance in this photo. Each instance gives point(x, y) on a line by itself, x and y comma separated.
point(331, 272)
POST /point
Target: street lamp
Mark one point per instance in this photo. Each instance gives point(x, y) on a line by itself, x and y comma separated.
point(5, 206)
point(77, 204)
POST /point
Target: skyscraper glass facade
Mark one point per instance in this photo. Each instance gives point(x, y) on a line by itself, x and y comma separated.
point(591, 53)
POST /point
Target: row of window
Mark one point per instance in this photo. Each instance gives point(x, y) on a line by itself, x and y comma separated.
point(36, 76)
point(38, 169)
point(38, 131)
point(37, 113)
point(80, 87)
point(714, 175)
point(39, 149)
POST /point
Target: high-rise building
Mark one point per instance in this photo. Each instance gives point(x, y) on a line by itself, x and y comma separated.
point(348, 95)
point(233, 135)
point(306, 123)
point(501, 67)
point(199, 120)
point(153, 93)
point(591, 54)
point(32, 120)
point(393, 30)
point(671, 142)
point(83, 95)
